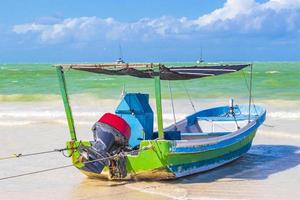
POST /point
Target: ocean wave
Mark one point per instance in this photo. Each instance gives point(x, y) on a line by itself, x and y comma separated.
point(12, 69)
point(272, 72)
point(12, 123)
point(96, 79)
point(27, 97)
point(16, 123)
point(284, 115)
point(44, 114)
point(59, 114)
point(279, 134)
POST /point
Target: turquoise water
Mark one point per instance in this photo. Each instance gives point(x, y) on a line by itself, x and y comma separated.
point(271, 80)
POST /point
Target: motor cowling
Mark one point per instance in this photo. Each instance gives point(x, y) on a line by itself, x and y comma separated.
point(111, 136)
point(111, 133)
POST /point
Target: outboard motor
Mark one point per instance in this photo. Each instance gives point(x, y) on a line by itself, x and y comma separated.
point(111, 135)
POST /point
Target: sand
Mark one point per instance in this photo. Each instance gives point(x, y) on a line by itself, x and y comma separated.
point(270, 170)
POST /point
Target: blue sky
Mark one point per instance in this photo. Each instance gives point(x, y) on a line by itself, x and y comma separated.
point(149, 30)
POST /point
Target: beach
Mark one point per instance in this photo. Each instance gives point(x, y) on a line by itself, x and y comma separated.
point(270, 170)
point(32, 119)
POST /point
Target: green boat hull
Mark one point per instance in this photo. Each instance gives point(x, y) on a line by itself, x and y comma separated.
point(159, 159)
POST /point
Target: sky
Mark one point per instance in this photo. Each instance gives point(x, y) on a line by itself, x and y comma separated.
point(51, 31)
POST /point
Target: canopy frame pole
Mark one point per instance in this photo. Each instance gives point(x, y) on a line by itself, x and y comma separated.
point(158, 103)
point(172, 105)
point(250, 93)
point(65, 98)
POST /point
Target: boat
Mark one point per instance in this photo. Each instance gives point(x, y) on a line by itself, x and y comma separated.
point(126, 146)
point(120, 59)
point(201, 60)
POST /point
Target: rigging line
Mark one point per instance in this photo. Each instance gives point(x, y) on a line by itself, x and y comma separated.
point(71, 165)
point(236, 123)
point(246, 82)
point(19, 155)
point(189, 97)
point(172, 105)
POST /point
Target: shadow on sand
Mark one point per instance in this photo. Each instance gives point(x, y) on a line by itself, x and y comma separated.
point(259, 163)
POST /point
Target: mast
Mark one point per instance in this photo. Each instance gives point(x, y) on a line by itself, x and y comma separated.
point(120, 52)
point(250, 92)
point(158, 103)
point(201, 55)
point(65, 98)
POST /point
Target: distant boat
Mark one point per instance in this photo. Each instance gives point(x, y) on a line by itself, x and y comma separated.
point(120, 59)
point(201, 60)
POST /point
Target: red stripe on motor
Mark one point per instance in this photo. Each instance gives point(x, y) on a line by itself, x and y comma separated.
point(117, 123)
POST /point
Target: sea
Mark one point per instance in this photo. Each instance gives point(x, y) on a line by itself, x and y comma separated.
point(34, 82)
point(32, 119)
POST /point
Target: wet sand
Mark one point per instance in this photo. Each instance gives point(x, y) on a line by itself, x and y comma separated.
point(270, 170)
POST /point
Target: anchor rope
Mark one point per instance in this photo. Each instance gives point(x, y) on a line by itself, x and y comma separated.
point(19, 155)
point(71, 165)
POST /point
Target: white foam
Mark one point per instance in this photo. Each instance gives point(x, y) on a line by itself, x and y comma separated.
point(15, 123)
point(44, 114)
point(279, 134)
point(272, 72)
point(284, 115)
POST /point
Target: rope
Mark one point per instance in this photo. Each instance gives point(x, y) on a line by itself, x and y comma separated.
point(19, 155)
point(189, 97)
point(36, 172)
point(70, 165)
point(172, 104)
point(246, 81)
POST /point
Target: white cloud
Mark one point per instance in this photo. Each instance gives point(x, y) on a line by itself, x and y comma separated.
point(231, 10)
point(282, 4)
point(274, 17)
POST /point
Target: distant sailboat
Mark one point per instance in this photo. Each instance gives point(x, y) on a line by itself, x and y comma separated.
point(201, 60)
point(120, 59)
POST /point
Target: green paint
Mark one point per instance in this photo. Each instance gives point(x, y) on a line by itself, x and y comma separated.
point(149, 159)
point(157, 157)
point(158, 106)
point(64, 94)
point(74, 153)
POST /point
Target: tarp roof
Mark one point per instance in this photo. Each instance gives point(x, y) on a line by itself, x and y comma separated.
point(149, 70)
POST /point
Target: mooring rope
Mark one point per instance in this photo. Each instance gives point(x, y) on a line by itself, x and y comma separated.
point(19, 155)
point(71, 165)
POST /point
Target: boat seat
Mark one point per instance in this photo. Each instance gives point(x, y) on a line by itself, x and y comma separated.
point(228, 118)
point(205, 134)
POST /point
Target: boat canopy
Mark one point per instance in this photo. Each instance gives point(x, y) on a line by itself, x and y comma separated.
point(150, 70)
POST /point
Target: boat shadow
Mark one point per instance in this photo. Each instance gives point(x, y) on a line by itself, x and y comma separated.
point(258, 164)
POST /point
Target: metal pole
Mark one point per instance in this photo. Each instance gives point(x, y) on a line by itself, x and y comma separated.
point(158, 104)
point(250, 93)
point(172, 104)
point(64, 94)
